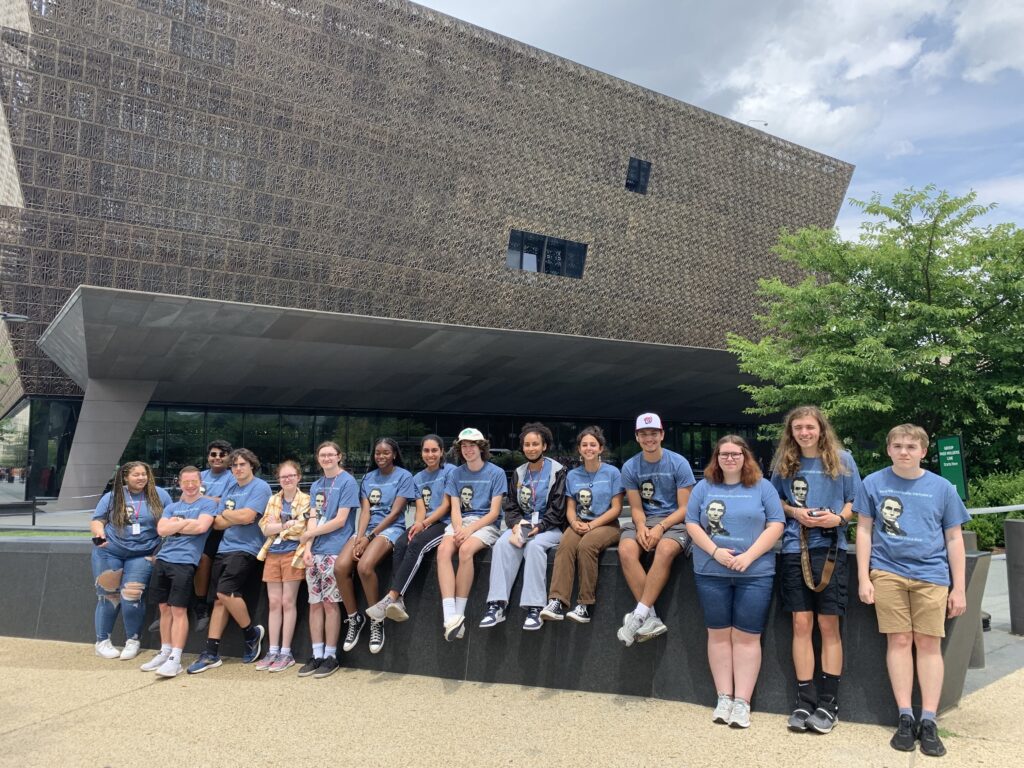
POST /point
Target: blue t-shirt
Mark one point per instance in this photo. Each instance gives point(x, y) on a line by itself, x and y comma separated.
point(245, 538)
point(657, 482)
point(327, 496)
point(910, 519)
point(734, 516)
point(474, 490)
point(286, 545)
point(122, 541)
point(381, 491)
point(531, 490)
point(598, 489)
point(815, 489)
point(429, 486)
point(186, 548)
point(215, 485)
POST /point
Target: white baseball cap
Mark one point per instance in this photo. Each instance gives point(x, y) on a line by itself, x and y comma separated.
point(648, 421)
point(470, 434)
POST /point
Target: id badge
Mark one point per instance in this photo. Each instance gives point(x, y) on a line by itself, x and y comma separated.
point(136, 529)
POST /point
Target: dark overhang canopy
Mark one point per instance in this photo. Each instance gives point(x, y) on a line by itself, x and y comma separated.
point(222, 352)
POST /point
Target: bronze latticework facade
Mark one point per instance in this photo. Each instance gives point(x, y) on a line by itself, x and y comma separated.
point(369, 157)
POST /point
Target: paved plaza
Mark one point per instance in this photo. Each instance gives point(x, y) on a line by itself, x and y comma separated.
point(64, 706)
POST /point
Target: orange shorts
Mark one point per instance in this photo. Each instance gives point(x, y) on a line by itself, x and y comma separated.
point(278, 568)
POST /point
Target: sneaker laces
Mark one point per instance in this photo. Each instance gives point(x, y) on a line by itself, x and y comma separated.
point(353, 627)
point(376, 632)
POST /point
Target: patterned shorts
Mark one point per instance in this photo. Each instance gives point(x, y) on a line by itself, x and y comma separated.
point(320, 580)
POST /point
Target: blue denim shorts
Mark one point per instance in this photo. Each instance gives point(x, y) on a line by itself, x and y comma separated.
point(735, 601)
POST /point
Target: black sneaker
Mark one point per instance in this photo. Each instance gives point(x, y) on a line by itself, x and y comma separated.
point(931, 744)
point(580, 614)
point(825, 717)
point(327, 667)
point(798, 720)
point(904, 738)
point(310, 667)
point(202, 622)
point(155, 626)
point(554, 611)
point(355, 626)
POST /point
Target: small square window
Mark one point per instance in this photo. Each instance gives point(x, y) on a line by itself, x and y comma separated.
point(638, 175)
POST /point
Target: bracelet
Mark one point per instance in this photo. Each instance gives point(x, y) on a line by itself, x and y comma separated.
point(713, 553)
point(370, 537)
point(663, 528)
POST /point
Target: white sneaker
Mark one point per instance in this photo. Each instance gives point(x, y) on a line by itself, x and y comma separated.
point(651, 628)
point(106, 649)
point(169, 668)
point(131, 650)
point(740, 716)
point(724, 709)
point(156, 662)
point(379, 610)
point(453, 628)
point(631, 624)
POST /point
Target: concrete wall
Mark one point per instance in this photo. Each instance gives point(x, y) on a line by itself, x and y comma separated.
point(48, 594)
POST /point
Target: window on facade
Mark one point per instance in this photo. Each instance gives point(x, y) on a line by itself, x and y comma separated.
point(551, 255)
point(638, 175)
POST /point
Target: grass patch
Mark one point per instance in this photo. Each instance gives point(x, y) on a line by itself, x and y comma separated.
point(946, 733)
point(29, 532)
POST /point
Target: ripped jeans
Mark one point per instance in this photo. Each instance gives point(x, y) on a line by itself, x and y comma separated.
point(127, 595)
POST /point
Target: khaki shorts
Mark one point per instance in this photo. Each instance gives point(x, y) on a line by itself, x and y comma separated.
point(278, 568)
point(909, 605)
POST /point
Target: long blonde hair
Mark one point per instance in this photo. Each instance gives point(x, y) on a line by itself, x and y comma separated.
point(118, 509)
point(786, 461)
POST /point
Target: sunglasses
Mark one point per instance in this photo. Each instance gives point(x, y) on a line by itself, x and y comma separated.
point(218, 454)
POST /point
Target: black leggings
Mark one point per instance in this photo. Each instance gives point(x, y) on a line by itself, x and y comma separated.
point(409, 554)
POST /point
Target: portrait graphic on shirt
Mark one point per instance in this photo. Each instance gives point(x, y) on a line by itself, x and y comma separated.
point(202, 490)
point(647, 490)
point(374, 497)
point(229, 504)
point(526, 498)
point(466, 496)
point(425, 494)
point(715, 513)
point(320, 502)
point(891, 509)
point(800, 487)
point(586, 498)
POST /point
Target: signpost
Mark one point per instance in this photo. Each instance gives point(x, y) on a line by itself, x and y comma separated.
point(951, 463)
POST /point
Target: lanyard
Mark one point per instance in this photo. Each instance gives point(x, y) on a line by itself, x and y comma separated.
point(135, 505)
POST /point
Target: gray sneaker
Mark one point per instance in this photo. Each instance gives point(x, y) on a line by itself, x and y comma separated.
point(264, 664)
point(653, 627)
point(396, 611)
point(740, 716)
point(156, 662)
point(724, 709)
point(631, 624)
point(379, 610)
point(169, 668)
point(825, 717)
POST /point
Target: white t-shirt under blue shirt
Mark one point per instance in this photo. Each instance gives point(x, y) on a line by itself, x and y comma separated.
point(602, 486)
point(738, 516)
point(245, 538)
point(474, 490)
point(657, 482)
point(910, 518)
point(822, 492)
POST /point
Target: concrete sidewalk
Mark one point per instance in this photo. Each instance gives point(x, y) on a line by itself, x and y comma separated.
point(62, 705)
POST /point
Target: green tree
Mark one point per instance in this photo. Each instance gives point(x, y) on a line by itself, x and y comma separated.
point(921, 320)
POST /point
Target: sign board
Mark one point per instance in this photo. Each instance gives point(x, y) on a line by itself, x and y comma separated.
point(951, 464)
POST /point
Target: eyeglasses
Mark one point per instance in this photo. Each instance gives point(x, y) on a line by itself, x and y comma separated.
point(240, 464)
point(287, 477)
point(218, 454)
point(730, 456)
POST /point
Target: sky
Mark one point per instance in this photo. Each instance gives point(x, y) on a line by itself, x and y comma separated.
point(912, 92)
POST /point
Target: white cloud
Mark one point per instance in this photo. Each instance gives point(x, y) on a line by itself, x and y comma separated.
point(901, 148)
point(896, 54)
point(1004, 191)
point(989, 33)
